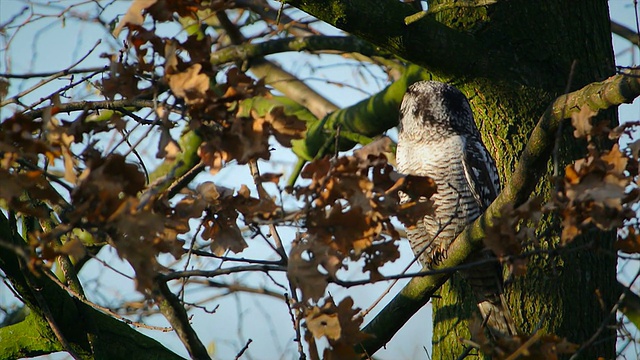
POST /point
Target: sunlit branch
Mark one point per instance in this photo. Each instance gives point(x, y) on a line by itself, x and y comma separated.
point(105, 310)
point(279, 78)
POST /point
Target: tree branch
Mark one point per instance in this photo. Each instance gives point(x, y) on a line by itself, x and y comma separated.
point(614, 91)
point(94, 105)
point(177, 316)
point(226, 271)
point(310, 43)
point(625, 33)
point(426, 42)
point(280, 79)
point(369, 117)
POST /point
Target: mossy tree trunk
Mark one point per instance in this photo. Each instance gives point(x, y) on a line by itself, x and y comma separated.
point(554, 36)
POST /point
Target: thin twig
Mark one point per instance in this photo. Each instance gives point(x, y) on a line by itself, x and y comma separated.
point(104, 309)
point(296, 325)
point(52, 73)
point(59, 74)
point(226, 271)
point(245, 348)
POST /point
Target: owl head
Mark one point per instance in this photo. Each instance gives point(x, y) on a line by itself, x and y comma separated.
point(432, 110)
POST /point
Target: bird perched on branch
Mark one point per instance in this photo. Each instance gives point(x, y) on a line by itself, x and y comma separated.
point(438, 138)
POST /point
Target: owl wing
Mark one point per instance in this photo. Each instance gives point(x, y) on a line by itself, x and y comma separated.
point(481, 173)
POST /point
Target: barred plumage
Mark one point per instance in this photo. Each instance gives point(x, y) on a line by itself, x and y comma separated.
point(438, 138)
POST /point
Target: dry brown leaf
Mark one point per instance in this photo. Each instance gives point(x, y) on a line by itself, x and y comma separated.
point(303, 273)
point(323, 322)
point(208, 191)
point(515, 227)
point(190, 85)
point(284, 127)
point(134, 15)
point(630, 244)
point(223, 230)
point(74, 248)
point(382, 146)
point(616, 160)
point(377, 255)
point(581, 121)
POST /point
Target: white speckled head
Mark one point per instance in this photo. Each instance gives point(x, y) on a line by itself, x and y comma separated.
point(434, 110)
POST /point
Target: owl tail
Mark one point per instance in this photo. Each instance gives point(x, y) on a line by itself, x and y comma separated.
point(486, 283)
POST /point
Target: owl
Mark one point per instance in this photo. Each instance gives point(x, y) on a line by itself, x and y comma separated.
point(438, 138)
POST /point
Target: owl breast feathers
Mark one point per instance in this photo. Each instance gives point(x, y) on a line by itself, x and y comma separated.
point(438, 138)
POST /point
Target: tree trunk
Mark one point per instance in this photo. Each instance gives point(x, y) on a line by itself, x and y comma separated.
point(558, 290)
point(511, 58)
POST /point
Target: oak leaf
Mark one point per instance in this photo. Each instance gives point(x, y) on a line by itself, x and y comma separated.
point(190, 84)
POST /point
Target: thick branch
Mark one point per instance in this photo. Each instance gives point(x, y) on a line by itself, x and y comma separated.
point(310, 43)
point(369, 117)
point(532, 165)
point(425, 42)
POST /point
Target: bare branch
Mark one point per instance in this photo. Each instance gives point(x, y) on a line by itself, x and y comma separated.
point(52, 73)
point(625, 33)
point(310, 43)
point(279, 78)
point(226, 271)
point(244, 348)
point(177, 316)
point(15, 98)
point(117, 105)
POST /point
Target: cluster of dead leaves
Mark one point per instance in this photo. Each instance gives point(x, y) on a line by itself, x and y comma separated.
point(350, 201)
point(106, 201)
point(515, 228)
point(220, 221)
point(600, 189)
point(229, 132)
point(20, 146)
point(340, 325)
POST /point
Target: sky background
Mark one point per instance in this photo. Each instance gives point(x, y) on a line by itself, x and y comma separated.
point(50, 44)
